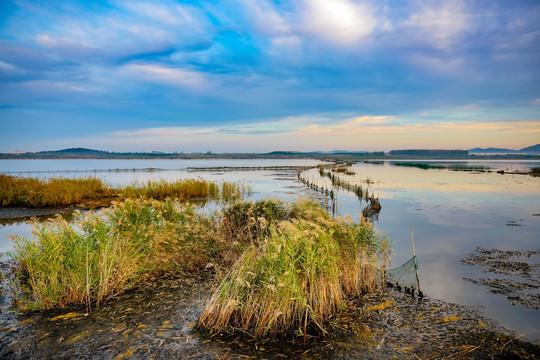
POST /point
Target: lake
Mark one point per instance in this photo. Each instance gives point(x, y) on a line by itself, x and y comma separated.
point(452, 213)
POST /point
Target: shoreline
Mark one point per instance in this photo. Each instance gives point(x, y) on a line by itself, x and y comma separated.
point(158, 320)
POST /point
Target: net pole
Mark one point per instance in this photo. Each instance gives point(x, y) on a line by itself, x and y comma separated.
point(415, 263)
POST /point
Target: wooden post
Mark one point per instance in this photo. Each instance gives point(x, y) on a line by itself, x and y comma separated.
point(415, 263)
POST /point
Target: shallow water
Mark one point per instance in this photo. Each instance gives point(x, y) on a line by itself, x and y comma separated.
point(452, 213)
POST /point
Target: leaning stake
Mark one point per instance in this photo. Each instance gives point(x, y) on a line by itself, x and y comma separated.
point(415, 263)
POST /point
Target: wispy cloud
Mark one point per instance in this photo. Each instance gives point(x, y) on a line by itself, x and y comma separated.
point(10, 69)
point(162, 132)
point(163, 12)
point(439, 23)
point(167, 75)
point(327, 132)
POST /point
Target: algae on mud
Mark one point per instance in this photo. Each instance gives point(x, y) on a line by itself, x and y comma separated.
point(518, 272)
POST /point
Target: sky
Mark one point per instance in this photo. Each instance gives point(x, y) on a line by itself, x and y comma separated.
point(261, 75)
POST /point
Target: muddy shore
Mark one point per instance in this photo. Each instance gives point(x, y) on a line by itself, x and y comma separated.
point(158, 321)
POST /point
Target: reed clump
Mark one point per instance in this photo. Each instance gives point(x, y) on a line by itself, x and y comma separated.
point(295, 279)
point(34, 192)
point(100, 255)
point(289, 266)
point(184, 189)
point(53, 192)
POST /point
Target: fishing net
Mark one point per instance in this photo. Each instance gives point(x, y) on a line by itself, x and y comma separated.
point(404, 275)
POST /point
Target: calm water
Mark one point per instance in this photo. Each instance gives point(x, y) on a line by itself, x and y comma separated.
point(452, 213)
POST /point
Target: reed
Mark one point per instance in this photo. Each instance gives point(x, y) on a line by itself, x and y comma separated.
point(102, 254)
point(289, 266)
point(296, 279)
point(34, 192)
point(185, 189)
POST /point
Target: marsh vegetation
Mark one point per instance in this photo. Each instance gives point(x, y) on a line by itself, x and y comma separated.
point(55, 192)
point(286, 268)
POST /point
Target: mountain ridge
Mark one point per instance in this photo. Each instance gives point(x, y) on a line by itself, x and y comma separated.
point(532, 150)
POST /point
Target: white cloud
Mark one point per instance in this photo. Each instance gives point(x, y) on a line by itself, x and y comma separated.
point(50, 88)
point(10, 69)
point(442, 65)
point(161, 132)
point(46, 40)
point(162, 12)
point(165, 75)
point(340, 21)
point(440, 23)
point(132, 28)
point(265, 17)
point(287, 47)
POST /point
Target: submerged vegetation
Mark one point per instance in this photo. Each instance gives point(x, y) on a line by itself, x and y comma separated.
point(34, 192)
point(286, 267)
point(449, 167)
point(420, 166)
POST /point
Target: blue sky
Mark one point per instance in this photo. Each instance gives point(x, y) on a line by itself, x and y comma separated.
point(256, 75)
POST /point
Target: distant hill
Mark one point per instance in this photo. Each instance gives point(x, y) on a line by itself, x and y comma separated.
point(430, 153)
point(77, 151)
point(531, 150)
point(84, 153)
point(535, 149)
point(491, 151)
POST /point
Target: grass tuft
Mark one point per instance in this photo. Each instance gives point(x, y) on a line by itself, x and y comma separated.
point(100, 255)
point(297, 277)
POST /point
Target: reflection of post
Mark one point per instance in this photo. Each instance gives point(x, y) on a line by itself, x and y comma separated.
point(415, 262)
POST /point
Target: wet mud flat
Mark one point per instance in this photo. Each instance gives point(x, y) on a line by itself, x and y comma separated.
point(14, 214)
point(10, 215)
point(514, 274)
point(158, 321)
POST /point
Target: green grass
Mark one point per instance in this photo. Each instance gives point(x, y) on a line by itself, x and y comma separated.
point(286, 267)
point(296, 279)
point(535, 170)
point(34, 192)
point(100, 255)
